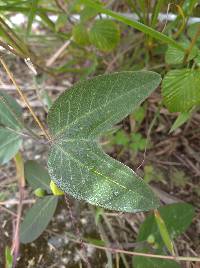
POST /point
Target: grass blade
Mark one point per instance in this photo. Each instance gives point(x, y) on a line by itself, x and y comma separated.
point(34, 4)
point(164, 232)
point(135, 24)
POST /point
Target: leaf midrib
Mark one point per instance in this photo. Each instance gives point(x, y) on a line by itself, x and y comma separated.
point(103, 106)
point(95, 171)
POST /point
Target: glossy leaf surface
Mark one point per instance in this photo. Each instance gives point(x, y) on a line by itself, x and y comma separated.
point(76, 163)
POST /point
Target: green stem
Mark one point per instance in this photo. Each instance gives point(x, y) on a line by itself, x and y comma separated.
point(134, 9)
point(133, 253)
point(193, 42)
point(155, 256)
point(156, 13)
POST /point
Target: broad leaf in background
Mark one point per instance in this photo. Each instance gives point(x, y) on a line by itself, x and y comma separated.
point(10, 112)
point(192, 30)
point(180, 120)
point(144, 262)
point(10, 127)
point(36, 175)
point(37, 218)
point(87, 13)
point(77, 119)
point(177, 218)
point(104, 34)
point(135, 24)
point(181, 89)
point(176, 56)
point(10, 143)
point(80, 34)
point(197, 59)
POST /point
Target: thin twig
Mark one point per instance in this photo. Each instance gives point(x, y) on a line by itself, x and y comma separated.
point(193, 42)
point(10, 49)
point(24, 98)
point(33, 88)
point(16, 202)
point(132, 253)
point(58, 53)
point(21, 182)
point(8, 211)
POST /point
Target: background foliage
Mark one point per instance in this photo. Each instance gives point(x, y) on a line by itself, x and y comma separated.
point(58, 45)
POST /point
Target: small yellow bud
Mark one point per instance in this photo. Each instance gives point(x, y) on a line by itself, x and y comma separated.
point(151, 239)
point(39, 192)
point(55, 190)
